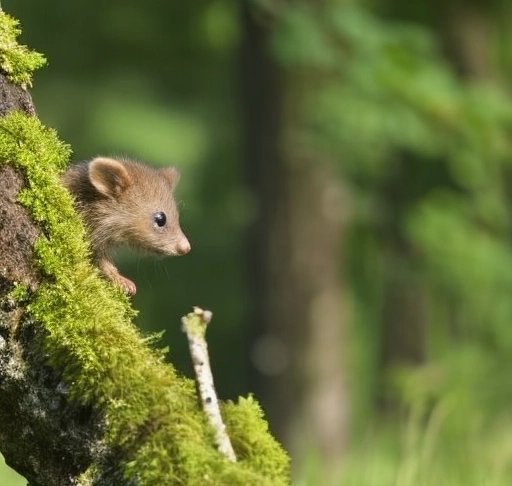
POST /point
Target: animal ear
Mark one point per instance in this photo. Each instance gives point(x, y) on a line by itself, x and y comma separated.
point(109, 176)
point(172, 175)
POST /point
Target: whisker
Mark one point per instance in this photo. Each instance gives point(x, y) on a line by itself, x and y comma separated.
point(167, 272)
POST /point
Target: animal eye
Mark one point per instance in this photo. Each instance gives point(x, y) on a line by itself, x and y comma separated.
point(160, 218)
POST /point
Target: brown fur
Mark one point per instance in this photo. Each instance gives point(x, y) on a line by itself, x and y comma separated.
point(117, 199)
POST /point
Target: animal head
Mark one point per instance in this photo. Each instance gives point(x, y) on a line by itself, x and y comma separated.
point(140, 204)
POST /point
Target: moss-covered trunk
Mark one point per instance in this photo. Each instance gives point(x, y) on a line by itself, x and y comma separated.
point(83, 398)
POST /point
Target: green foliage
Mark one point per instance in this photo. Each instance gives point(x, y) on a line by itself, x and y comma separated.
point(422, 149)
point(169, 135)
point(445, 450)
point(447, 433)
point(426, 156)
point(386, 89)
point(16, 60)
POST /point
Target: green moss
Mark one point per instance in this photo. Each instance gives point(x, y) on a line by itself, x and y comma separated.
point(20, 293)
point(16, 60)
point(194, 324)
point(252, 441)
point(151, 413)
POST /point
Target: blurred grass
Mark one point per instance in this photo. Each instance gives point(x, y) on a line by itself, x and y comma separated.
point(422, 455)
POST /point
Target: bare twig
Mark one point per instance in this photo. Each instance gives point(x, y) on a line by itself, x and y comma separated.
point(194, 325)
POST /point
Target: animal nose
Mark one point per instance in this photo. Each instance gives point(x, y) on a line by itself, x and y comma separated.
point(183, 246)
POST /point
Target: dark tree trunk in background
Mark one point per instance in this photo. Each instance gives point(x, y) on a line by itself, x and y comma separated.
point(295, 258)
point(468, 37)
point(404, 317)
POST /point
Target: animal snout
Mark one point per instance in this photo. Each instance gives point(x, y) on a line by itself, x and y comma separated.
point(183, 246)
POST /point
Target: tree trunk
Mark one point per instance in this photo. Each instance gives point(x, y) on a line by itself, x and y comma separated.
point(44, 451)
point(468, 37)
point(295, 255)
point(405, 308)
point(404, 316)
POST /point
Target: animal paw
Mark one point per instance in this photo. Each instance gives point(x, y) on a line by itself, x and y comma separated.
point(126, 284)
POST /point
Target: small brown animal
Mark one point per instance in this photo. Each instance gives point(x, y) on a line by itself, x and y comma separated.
point(126, 202)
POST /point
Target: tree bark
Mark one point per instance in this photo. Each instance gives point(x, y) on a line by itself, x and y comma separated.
point(43, 437)
point(295, 252)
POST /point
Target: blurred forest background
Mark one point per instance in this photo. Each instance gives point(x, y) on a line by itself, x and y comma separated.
point(347, 191)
